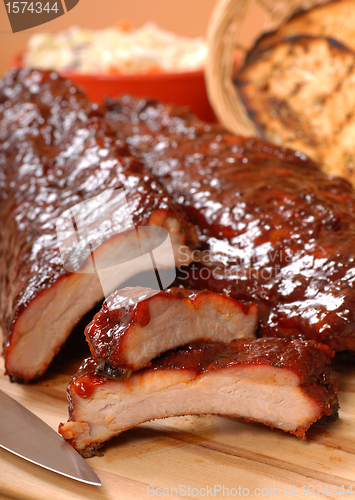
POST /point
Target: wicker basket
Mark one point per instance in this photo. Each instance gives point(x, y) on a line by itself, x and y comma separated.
point(225, 40)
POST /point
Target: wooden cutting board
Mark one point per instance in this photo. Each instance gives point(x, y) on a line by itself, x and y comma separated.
point(191, 457)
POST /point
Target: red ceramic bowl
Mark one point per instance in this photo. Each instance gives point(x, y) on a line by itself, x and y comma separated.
point(186, 89)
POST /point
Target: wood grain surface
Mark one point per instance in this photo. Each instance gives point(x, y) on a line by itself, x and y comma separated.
point(191, 457)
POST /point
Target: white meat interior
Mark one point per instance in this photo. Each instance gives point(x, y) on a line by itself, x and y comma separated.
point(48, 320)
point(261, 393)
point(177, 322)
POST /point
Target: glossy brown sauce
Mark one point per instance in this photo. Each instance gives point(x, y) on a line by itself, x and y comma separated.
point(85, 386)
point(56, 150)
point(275, 228)
point(306, 359)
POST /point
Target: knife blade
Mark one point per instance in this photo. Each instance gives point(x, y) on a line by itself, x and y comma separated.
point(29, 437)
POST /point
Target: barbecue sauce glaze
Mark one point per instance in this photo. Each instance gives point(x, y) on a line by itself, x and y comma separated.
point(57, 150)
point(273, 228)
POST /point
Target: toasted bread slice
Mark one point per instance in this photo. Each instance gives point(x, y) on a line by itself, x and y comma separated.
point(334, 19)
point(301, 93)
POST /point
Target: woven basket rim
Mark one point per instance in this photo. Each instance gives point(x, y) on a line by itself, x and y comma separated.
point(226, 21)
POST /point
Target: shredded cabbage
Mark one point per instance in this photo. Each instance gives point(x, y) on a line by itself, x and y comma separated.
point(148, 49)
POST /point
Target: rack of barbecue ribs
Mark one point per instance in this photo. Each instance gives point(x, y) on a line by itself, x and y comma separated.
point(273, 233)
point(273, 228)
point(282, 384)
point(57, 151)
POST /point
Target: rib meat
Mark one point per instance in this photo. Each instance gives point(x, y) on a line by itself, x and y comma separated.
point(56, 151)
point(133, 326)
point(283, 385)
point(273, 228)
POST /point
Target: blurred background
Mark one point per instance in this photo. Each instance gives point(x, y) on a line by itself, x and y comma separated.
point(184, 17)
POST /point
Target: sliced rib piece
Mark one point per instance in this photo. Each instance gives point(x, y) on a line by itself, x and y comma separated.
point(133, 326)
point(283, 385)
point(57, 151)
point(274, 229)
